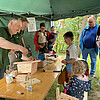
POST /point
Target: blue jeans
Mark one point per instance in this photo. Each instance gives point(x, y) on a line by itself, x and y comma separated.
point(1, 73)
point(93, 57)
point(41, 56)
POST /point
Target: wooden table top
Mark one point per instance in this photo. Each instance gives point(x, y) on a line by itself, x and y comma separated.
point(39, 90)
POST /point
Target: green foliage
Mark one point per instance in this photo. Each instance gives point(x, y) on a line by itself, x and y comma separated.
point(65, 25)
point(98, 20)
point(69, 24)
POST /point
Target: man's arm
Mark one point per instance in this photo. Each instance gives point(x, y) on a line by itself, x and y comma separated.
point(8, 45)
point(98, 44)
point(81, 39)
point(98, 31)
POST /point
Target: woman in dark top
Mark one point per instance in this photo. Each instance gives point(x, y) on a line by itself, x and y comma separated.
point(52, 38)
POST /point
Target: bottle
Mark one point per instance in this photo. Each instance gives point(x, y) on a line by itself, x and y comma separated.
point(28, 76)
point(29, 79)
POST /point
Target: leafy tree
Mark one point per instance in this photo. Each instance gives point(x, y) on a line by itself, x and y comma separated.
point(64, 25)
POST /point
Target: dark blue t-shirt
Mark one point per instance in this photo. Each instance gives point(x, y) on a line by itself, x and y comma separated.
point(89, 39)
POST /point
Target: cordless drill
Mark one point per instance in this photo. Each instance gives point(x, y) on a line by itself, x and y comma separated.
point(18, 54)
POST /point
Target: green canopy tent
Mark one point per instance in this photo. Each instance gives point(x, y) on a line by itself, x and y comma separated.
point(45, 11)
point(50, 9)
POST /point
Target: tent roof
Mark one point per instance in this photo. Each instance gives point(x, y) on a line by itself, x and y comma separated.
point(50, 9)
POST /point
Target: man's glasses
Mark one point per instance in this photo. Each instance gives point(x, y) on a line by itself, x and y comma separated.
point(90, 21)
point(43, 28)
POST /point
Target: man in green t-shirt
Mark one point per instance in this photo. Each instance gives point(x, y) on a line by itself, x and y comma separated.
point(18, 39)
point(6, 38)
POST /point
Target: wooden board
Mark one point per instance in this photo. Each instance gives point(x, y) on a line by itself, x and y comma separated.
point(63, 96)
point(24, 62)
point(21, 78)
point(30, 82)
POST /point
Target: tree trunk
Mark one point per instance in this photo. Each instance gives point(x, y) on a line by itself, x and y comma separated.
point(83, 25)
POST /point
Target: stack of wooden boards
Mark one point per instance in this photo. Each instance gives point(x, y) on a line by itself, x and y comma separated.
point(21, 78)
point(30, 82)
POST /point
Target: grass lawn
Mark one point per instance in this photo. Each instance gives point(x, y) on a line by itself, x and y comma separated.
point(94, 94)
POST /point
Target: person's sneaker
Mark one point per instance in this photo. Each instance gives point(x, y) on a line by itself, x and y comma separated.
point(91, 76)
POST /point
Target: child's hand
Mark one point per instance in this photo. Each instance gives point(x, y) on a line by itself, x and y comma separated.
point(41, 46)
point(65, 83)
point(63, 61)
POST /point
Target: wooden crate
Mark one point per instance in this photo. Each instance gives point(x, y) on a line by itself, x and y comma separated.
point(63, 96)
point(27, 66)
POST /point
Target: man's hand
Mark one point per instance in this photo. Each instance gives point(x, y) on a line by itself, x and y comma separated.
point(63, 61)
point(24, 57)
point(23, 50)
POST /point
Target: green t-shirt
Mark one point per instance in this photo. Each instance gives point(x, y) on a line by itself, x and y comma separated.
point(4, 32)
point(18, 37)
